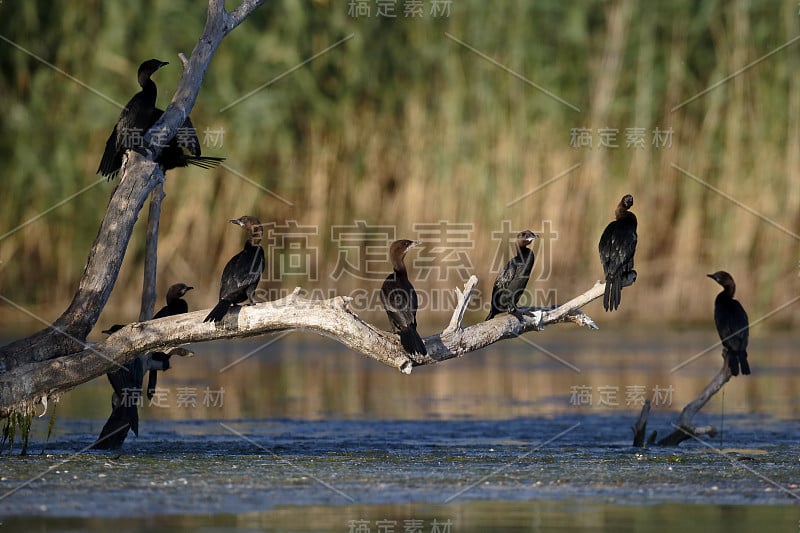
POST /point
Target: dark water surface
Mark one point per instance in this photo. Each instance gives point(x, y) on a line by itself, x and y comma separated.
point(306, 436)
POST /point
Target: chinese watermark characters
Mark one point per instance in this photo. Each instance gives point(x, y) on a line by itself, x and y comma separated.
point(631, 138)
point(609, 395)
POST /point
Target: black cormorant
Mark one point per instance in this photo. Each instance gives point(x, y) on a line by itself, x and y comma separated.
point(127, 385)
point(512, 280)
point(137, 117)
point(184, 148)
point(732, 324)
point(400, 299)
point(617, 247)
point(176, 305)
point(134, 121)
point(243, 272)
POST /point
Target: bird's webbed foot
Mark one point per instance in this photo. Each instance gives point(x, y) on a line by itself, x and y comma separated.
point(516, 313)
point(628, 278)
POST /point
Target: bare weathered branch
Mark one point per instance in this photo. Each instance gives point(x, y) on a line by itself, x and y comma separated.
point(67, 333)
point(684, 428)
point(331, 318)
point(462, 303)
point(138, 177)
point(151, 254)
point(640, 427)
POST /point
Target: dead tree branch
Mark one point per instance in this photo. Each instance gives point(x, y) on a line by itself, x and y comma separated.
point(139, 176)
point(684, 428)
point(28, 383)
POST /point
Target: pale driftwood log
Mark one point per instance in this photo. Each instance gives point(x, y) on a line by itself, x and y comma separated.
point(27, 384)
point(684, 428)
point(139, 176)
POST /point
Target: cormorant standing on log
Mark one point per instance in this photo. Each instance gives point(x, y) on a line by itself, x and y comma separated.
point(512, 280)
point(127, 385)
point(400, 299)
point(176, 305)
point(243, 272)
point(617, 247)
point(137, 117)
point(732, 324)
point(134, 120)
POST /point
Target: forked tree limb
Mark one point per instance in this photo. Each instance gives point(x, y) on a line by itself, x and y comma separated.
point(138, 177)
point(684, 428)
point(29, 383)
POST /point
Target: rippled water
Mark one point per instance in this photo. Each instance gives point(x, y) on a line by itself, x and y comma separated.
point(310, 437)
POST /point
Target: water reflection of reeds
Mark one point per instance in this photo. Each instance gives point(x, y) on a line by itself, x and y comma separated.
point(308, 378)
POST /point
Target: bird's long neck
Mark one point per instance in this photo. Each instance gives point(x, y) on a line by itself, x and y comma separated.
point(523, 251)
point(172, 301)
point(399, 267)
point(149, 89)
point(729, 289)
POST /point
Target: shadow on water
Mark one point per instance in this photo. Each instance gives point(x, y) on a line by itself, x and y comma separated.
point(310, 437)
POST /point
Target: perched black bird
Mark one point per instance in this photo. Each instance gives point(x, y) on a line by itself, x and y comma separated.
point(184, 148)
point(400, 299)
point(243, 272)
point(134, 120)
point(732, 324)
point(617, 246)
point(137, 117)
point(127, 385)
point(512, 280)
point(176, 305)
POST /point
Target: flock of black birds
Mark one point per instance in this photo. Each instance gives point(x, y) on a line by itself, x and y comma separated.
point(242, 273)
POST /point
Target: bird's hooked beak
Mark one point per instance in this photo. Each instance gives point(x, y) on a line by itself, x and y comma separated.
point(711, 276)
point(530, 239)
point(413, 244)
point(237, 222)
point(187, 289)
point(163, 64)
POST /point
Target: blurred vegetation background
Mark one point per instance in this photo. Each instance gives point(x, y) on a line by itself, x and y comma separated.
point(410, 121)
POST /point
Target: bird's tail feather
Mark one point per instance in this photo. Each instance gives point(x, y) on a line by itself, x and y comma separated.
point(613, 294)
point(743, 362)
point(736, 360)
point(733, 362)
point(219, 311)
point(412, 342)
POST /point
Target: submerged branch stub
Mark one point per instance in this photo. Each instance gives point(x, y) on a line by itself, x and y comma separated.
point(684, 427)
point(640, 427)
